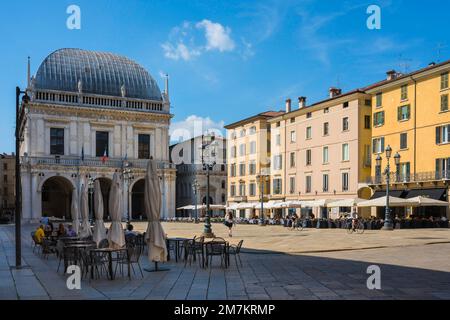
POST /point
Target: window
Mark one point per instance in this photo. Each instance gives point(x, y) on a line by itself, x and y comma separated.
point(252, 147)
point(345, 152)
point(57, 141)
point(242, 169)
point(404, 92)
point(292, 160)
point(345, 181)
point(308, 157)
point(345, 124)
point(368, 103)
point(443, 134)
point(232, 190)
point(403, 113)
point(378, 145)
point(291, 185)
point(378, 118)
point(101, 143)
point(308, 185)
point(326, 110)
point(278, 140)
point(233, 170)
point(325, 155)
point(293, 136)
point(444, 102)
point(345, 105)
point(233, 152)
point(144, 146)
point(403, 140)
point(277, 186)
point(308, 133)
point(252, 130)
point(242, 189)
point(325, 182)
point(326, 127)
point(444, 81)
point(379, 99)
point(242, 149)
point(277, 165)
point(308, 115)
point(252, 189)
point(366, 122)
point(252, 168)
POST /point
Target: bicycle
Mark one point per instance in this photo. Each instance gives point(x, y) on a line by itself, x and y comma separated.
point(358, 227)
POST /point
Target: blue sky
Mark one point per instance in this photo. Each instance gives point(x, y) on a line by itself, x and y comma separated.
point(228, 59)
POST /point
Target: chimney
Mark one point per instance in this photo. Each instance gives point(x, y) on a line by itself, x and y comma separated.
point(288, 105)
point(301, 102)
point(334, 92)
point(391, 75)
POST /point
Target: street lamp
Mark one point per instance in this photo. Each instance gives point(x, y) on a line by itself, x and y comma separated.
point(388, 225)
point(263, 179)
point(18, 205)
point(128, 176)
point(195, 187)
point(208, 156)
point(91, 192)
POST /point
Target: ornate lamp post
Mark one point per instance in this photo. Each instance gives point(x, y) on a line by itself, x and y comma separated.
point(195, 187)
point(90, 184)
point(128, 176)
point(388, 225)
point(263, 179)
point(208, 156)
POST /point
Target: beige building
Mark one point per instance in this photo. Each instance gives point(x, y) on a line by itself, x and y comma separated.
point(322, 151)
point(7, 182)
point(248, 158)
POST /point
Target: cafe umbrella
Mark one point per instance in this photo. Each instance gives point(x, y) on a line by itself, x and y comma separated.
point(99, 228)
point(116, 236)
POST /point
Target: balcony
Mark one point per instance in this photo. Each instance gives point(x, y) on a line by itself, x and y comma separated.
point(92, 162)
point(431, 176)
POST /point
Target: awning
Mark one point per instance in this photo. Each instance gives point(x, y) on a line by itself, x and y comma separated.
point(436, 194)
point(392, 193)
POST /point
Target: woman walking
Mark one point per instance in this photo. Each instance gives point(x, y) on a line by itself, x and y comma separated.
point(229, 222)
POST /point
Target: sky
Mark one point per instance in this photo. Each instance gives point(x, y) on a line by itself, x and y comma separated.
point(227, 60)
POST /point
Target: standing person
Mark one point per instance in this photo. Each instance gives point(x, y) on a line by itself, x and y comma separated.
point(229, 222)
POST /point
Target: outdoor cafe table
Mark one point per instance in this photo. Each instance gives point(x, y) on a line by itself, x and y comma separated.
point(177, 242)
point(109, 252)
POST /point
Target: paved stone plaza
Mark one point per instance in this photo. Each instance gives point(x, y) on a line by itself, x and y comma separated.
point(277, 264)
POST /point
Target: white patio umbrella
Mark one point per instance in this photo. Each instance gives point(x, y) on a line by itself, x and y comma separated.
point(85, 230)
point(75, 211)
point(116, 236)
point(99, 228)
point(427, 202)
point(351, 202)
point(155, 235)
point(393, 202)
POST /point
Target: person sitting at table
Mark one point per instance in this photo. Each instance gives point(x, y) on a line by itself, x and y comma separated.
point(70, 232)
point(61, 230)
point(39, 234)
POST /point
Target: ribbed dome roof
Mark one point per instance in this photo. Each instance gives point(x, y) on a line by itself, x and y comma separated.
point(100, 73)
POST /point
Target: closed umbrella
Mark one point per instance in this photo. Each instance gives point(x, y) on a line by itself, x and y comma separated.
point(155, 235)
point(99, 228)
point(75, 211)
point(116, 236)
point(85, 230)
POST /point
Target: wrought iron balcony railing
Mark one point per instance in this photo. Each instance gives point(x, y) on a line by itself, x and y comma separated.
point(407, 178)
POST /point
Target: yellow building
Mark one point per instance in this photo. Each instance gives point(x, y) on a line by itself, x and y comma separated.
point(411, 114)
point(248, 158)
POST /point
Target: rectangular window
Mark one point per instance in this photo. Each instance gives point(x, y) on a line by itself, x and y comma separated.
point(277, 186)
point(379, 99)
point(308, 185)
point(366, 122)
point(252, 168)
point(242, 169)
point(345, 124)
point(378, 145)
point(443, 134)
point(325, 182)
point(308, 157)
point(144, 146)
point(101, 143)
point(403, 140)
point(291, 185)
point(345, 181)
point(252, 189)
point(403, 113)
point(444, 102)
point(252, 147)
point(378, 118)
point(277, 162)
point(292, 160)
point(345, 152)
point(325, 155)
point(404, 92)
point(326, 126)
point(293, 136)
point(308, 133)
point(57, 141)
point(444, 81)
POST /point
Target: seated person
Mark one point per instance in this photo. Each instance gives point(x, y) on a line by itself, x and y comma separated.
point(39, 235)
point(70, 232)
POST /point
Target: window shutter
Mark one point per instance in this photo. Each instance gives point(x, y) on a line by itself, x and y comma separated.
point(382, 144)
point(438, 135)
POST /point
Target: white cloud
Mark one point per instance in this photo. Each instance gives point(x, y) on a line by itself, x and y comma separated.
point(217, 36)
point(194, 126)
